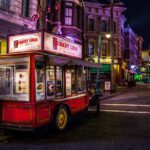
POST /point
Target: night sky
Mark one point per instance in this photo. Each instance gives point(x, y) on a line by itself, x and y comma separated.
point(138, 17)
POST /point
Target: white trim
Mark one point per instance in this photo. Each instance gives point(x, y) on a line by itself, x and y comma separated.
point(126, 105)
point(71, 27)
point(124, 111)
point(68, 98)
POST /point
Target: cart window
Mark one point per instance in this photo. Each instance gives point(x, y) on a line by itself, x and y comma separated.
point(80, 79)
point(40, 81)
point(50, 77)
point(59, 87)
point(73, 84)
point(85, 80)
point(14, 82)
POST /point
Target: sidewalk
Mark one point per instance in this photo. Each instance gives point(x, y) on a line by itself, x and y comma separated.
point(120, 90)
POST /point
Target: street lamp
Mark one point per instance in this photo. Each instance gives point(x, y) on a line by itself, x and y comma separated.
point(112, 45)
point(98, 75)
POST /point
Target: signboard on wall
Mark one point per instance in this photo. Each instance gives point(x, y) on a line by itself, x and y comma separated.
point(25, 42)
point(107, 85)
point(59, 45)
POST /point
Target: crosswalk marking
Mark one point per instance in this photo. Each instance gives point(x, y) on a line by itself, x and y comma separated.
point(126, 111)
point(126, 105)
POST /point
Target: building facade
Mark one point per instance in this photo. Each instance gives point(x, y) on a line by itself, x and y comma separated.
point(97, 21)
point(15, 17)
point(132, 53)
point(64, 17)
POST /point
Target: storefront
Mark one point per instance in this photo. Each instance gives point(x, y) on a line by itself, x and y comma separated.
point(42, 79)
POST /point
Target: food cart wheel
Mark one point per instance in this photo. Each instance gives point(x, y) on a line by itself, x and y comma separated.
point(62, 118)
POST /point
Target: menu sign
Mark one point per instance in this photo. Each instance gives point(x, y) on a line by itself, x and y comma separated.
point(57, 45)
point(25, 42)
point(21, 82)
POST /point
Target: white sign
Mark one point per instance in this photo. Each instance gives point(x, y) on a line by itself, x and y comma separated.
point(25, 42)
point(57, 45)
point(107, 85)
point(68, 83)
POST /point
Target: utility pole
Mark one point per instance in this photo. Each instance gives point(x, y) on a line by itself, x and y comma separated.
point(112, 45)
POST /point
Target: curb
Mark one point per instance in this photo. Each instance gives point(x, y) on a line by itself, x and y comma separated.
point(110, 96)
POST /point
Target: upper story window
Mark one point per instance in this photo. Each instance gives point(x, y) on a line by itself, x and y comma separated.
point(91, 48)
point(104, 26)
point(115, 31)
point(115, 50)
point(25, 8)
point(104, 49)
point(5, 4)
point(68, 13)
point(91, 24)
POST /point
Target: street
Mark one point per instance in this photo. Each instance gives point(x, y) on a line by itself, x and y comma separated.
point(122, 125)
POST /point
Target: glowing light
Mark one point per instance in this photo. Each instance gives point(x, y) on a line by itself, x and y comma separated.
point(108, 36)
point(70, 38)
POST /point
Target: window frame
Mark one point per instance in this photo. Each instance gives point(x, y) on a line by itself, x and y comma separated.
point(104, 50)
point(68, 18)
point(25, 8)
point(14, 62)
point(5, 5)
point(91, 24)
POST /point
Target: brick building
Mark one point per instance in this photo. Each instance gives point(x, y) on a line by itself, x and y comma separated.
point(66, 19)
point(15, 17)
point(133, 49)
point(97, 20)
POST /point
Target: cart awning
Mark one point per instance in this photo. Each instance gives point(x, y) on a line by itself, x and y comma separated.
point(84, 63)
point(61, 61)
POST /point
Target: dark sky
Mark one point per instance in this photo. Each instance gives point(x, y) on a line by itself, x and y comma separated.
point(138, 17)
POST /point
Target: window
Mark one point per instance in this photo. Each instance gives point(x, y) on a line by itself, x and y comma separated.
point(115, 31)
point(54, 81)
point(91, 24)
point(79, 80)
point(25, 8)
point(104, 26)
point(68, 13)
point(104, 49)
point(59, 82)
point(50, 79)
point(91, 48)
point(115, 50)
point(73, 82)
point(40, 81)
point(14, 81)
point(5, 4)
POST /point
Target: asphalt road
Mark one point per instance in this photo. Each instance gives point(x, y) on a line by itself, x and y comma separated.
point(135, 100)
point(124, 124)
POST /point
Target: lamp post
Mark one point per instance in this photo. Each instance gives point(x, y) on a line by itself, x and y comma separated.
point(98, 76)
point(112, 45)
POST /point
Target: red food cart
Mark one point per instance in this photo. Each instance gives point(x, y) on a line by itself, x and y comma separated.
point(42, 79)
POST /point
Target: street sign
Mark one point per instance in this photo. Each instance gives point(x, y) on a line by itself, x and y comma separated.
point(107, 85)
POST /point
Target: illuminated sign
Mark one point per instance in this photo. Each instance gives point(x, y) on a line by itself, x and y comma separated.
point(51, 43)
point(57, 45)
point(25, 42)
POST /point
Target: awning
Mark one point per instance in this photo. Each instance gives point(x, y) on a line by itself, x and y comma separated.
point(84, 63)
point(61, 61)
point(57, 60)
